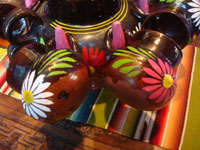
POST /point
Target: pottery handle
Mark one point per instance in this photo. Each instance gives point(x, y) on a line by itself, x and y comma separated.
point(138, 13)
point(32, 23)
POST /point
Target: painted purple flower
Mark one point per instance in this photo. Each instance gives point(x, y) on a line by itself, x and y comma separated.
point(161, 80)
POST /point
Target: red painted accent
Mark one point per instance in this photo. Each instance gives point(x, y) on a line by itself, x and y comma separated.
point(93, 57)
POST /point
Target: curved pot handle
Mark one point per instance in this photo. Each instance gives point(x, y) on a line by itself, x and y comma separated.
point(31, 20)
point(138, 13)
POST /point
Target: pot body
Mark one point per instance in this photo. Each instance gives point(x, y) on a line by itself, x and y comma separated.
point(142, 75)
point(55, 86)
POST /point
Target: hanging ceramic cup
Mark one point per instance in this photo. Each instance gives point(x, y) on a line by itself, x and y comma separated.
point(172, 20)
point(178, 19)
point(142, 75)
point(21, 59)
point(7, 6)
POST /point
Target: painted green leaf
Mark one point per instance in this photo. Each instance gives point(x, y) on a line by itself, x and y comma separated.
point(127, 69)
point(121, 62)
point(37, 61)
point(69, 59)
point(151, 55)
point(55, 73)
point(122, 54)
point(124, 51)
point(61, 65)
point(141, 52)
point(135, 51)
point(56, 59)
point(57, 55)
point(42, 41)
point(134, 73)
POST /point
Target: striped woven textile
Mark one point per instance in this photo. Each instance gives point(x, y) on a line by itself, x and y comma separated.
point(173, 127)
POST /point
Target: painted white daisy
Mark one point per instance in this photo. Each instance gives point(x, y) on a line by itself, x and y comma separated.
point(34, 98)
point(137, 28)
point(195, 10)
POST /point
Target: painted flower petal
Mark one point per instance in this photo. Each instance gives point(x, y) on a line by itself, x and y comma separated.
point(193, 4)
point(167, 67)
point(38, 111)
point(23, 99)
point(167, 97)
point(174, 81)
point(196, 1)
point(42, 107)
point(151, 81)
point(197, 24)
point(41, 88)
point(150, 72)
point(85, 55)
point(193, 10)
point(24, 105)
point(171, 71)
point(27, 110)
point(151, 88)
point(34, 114)
point(37, 82)
point(195, 15)
point(173, 89)
point(196, 19)
point(100, 59)
point(30, 82)
point(162, 96)
point(161, 63)
point(44, 95)
point(155, 66)
point(43, 101)
point(25, 86)
point(157, 93)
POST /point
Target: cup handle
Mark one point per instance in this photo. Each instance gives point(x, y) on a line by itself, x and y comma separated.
point(138, 13)
point(13, 17)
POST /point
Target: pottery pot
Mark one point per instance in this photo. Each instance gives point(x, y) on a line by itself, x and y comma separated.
point(55, 86)
point(142, 75)
point(87, 25)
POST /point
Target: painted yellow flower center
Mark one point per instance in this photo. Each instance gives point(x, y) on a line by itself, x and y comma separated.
point(28, 96)
point(168, 81)
point(92, 70)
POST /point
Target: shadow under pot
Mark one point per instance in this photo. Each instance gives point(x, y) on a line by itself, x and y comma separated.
point(172, 20)
point(142, 75)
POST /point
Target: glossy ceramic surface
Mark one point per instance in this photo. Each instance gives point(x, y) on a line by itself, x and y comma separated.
point(58, 57)
point(142, 74)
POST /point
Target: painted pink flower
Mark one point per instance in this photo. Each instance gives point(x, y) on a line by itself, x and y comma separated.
point(161, 80)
